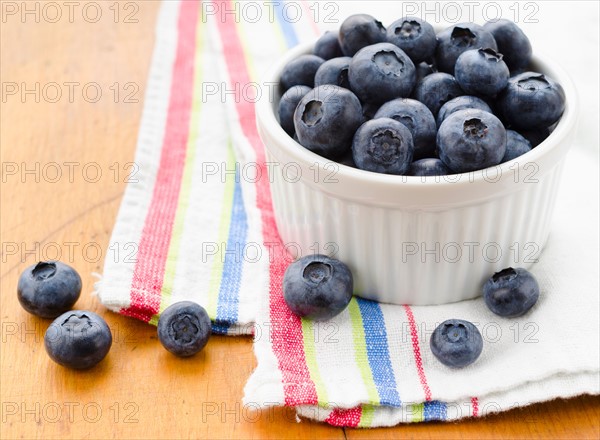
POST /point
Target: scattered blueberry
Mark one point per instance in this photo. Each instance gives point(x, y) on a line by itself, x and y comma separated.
point(456, 343)
point(326, 119)
point(512, 42)
point(417, 118)
point(532, 100)
point(334, 71)
point(437, 89)
point(184, 328)
point(414, 36)
point(481, 72)
point(428, 167)
point(381, 72)
point(470, 140)
point(287, 105)
point(455, 40)
point(300, 71)
point(48, 288)
point(516, 145)
point(358, 31)
point(383, 145)
point(461, 103)
point(78, 339)
point(511, 292)
point(317, 287)
point(328, 46)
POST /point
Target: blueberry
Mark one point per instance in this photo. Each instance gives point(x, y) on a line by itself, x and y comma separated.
point(511, 292)
point(317, 287)
point(423, 69)
point(287, 105)
point(184, 328)
point(370, 109)
point(437, 89)
point(512, 42)
point(428, 167)
point(481, 72)
point(328, 46)
point(300, 71)
point(536, 136)
point(348, 160)
point(531, 101)
point(417, 118)
point(333, 71)
point(358, 31)
point(78, 339)
point(470, 140)
point(326, 119)
point(414, 36)
point(383, 145)
point(461, 103)
point(48, 288)
point(516, 145)
point(381, 72)
point(456, 343)
point(457, 39)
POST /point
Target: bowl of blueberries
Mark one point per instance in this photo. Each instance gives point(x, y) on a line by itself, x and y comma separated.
point(424, 158)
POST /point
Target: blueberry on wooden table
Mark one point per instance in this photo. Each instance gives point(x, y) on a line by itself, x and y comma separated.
point(78, 339)
point(184, 328)
point(48, 288)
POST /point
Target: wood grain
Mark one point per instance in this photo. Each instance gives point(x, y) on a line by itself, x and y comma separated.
point(139, 391)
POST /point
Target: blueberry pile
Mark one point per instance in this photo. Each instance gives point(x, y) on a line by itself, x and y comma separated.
point(407, 101)
point(80, 339)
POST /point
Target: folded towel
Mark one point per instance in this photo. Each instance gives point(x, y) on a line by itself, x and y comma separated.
point(198, 224)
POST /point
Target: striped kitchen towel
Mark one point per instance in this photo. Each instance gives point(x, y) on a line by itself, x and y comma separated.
point(197, 223)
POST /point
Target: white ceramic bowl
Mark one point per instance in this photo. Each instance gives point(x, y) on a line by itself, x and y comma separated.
point(413, 240)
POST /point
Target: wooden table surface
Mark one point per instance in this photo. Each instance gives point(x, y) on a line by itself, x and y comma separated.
point(64, 152)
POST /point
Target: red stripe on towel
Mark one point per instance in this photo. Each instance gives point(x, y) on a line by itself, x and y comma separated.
point(417, 352)
point(345, 417)
point(156, 235)
point(475, 405)
point(285, 327)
